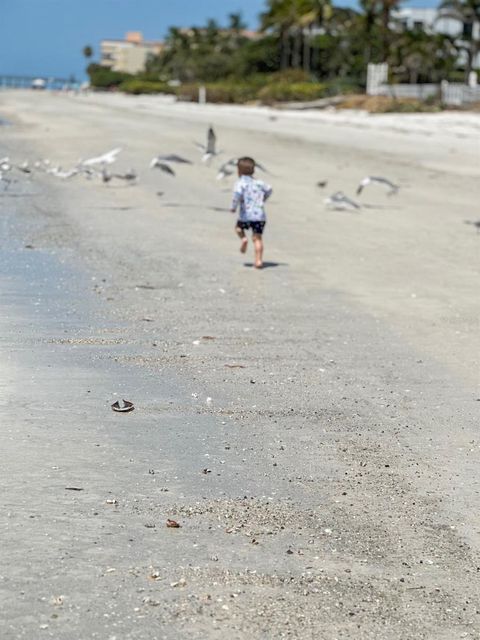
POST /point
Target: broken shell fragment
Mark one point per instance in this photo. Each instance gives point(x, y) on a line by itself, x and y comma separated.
point(173, 524)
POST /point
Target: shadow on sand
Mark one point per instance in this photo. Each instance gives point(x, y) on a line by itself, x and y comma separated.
point(267, 265)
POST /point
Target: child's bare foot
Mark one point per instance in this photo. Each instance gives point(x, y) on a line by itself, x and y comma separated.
point(244, 245)
point(258, 265)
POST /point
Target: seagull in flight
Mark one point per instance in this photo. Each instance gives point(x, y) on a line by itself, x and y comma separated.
point(261, 167)
point(210, 149)
point(392, 188)
point(475, 223)
point(172, 157)
point(341, 202)
point(163, 166)
point(107, 158)
point(227, 169)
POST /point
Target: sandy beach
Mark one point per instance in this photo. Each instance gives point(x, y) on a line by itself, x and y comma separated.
point(312, 426)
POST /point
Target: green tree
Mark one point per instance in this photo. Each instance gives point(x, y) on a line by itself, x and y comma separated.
point(417, 56)
point(201, 53)
point(257, 56)
point(294, 21)
point(236, 22)
point(279, 19)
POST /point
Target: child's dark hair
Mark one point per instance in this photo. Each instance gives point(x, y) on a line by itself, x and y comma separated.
point(246, 166)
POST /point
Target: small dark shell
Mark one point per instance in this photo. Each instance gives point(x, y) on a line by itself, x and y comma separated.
point(123, 406)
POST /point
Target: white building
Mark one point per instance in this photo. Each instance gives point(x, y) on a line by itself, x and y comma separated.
point(429, 20)
point(129, 55)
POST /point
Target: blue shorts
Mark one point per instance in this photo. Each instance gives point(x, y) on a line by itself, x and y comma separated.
point(255, 225)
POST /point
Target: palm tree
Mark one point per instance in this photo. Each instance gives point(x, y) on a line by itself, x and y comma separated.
point(236, 23)
point(280, 18)
point(236, 26)
point(467, 12)
point(292, 20)
point(369, 18)
point(312, 13)
point(386, 9)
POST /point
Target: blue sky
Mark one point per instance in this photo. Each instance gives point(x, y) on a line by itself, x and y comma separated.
point(46, 37)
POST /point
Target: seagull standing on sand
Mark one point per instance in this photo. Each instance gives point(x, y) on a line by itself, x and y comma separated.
point(59, 173)
point(392, 188)
point(5, 181)
point(106, 175)
point(341, 202)
point(41, 165)
point(89, 173)
point(5, 164)
point(24, 167)
point(129, 176)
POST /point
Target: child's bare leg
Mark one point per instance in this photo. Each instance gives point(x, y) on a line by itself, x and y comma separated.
point(241, 234)
point(258, 244)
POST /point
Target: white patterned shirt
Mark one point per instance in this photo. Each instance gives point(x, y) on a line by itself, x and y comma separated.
point(250, 194)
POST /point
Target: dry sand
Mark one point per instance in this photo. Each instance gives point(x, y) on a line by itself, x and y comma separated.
point(341, 498)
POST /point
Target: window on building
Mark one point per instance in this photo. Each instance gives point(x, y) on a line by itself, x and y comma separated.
point(417, 25)
point(467, 29)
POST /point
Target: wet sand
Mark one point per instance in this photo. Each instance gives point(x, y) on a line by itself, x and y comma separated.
point(331, 398)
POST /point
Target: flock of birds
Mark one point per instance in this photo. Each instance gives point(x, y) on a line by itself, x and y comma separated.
point(340, 201)
point(98, 167)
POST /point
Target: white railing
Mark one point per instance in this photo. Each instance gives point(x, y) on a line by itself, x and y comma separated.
point(458, 94)
point(451, 93)
point(417, 91)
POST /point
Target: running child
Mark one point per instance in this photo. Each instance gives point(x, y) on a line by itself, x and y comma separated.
point(249, 195)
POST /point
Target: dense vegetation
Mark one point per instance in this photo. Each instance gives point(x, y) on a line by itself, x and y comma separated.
point(306, 49)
